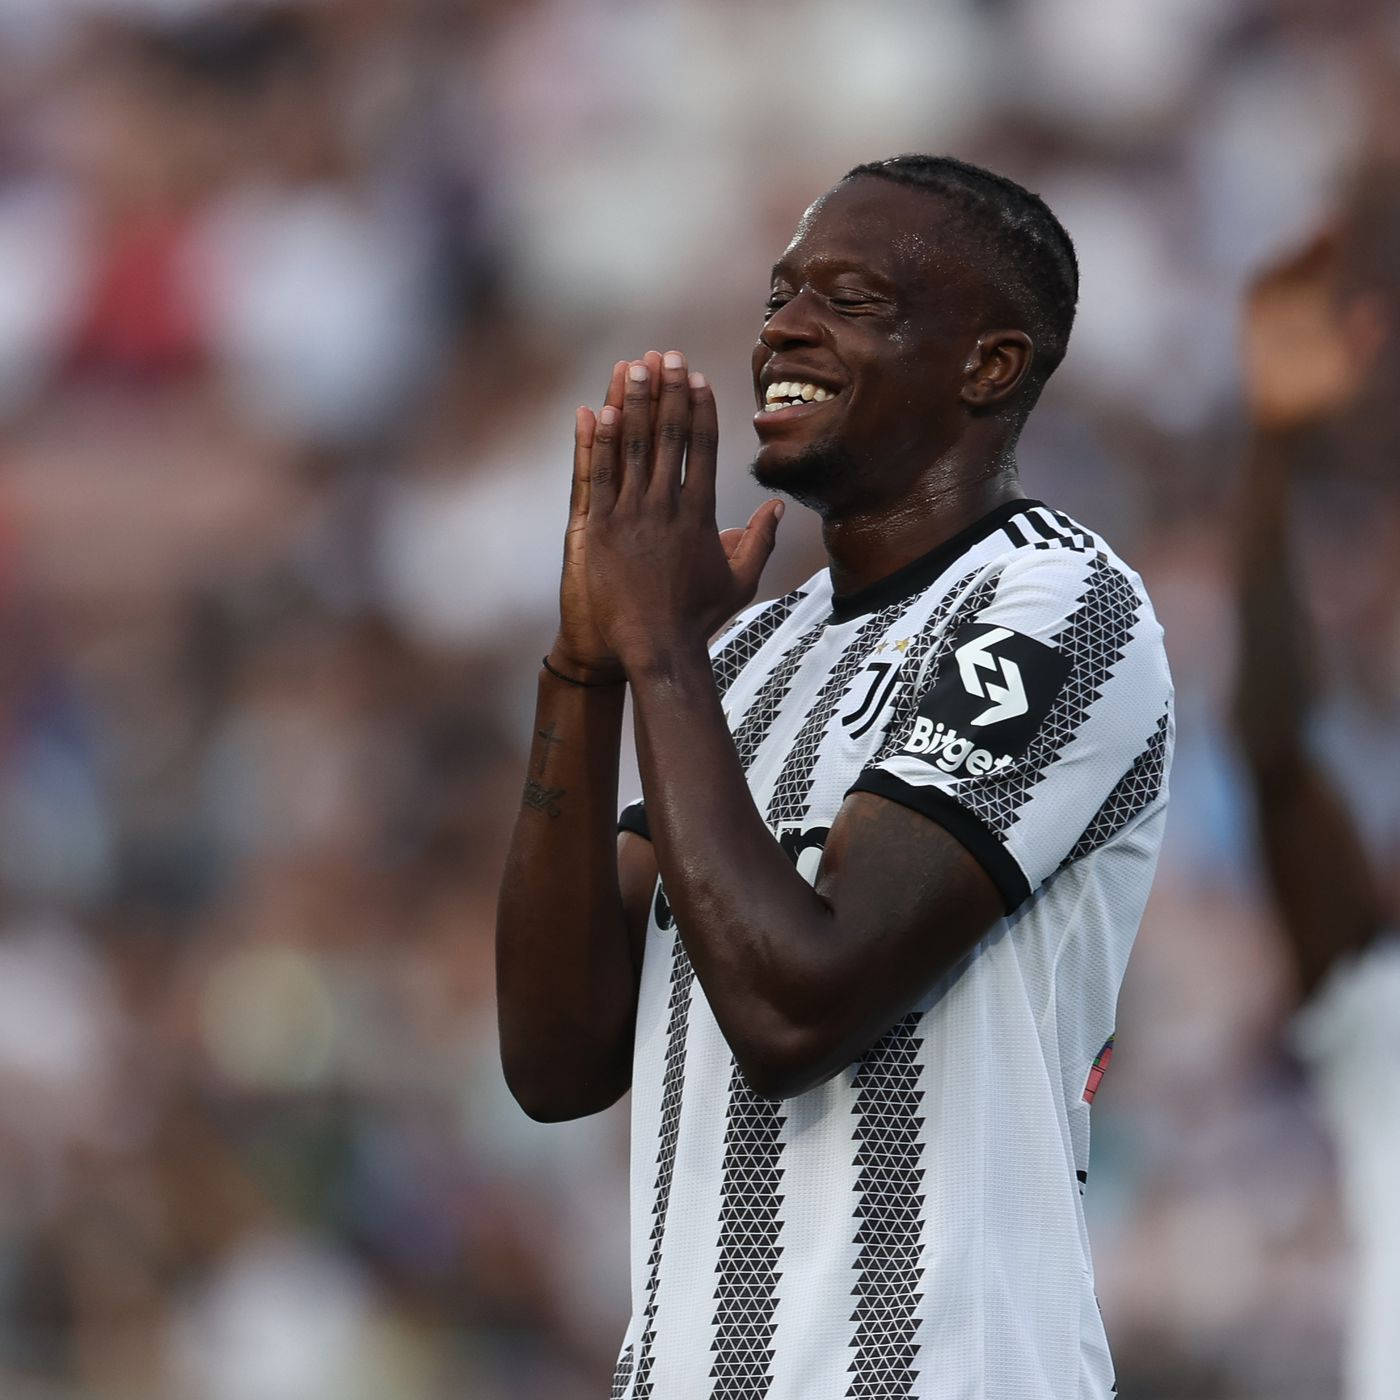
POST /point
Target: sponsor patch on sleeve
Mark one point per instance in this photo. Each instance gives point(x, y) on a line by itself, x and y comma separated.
point(993, 691)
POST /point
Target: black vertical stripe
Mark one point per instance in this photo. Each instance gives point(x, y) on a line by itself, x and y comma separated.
point(672, 1088)
point(1134, 792)
point(889, 1218)
point(1093, 640)
point(622, 1375)
point(729, 661)
point(889, 1215)
point(750, 1223)
point(751, 732)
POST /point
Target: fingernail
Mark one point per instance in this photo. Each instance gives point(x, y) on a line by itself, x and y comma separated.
point(607, 415)
point(673, 359)
point(697, 380)
point(637, 374)
point(778, 511)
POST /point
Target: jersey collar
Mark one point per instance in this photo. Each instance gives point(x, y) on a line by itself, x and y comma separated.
point(917, 575)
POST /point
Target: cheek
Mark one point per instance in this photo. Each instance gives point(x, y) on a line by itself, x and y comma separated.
point(760, 357)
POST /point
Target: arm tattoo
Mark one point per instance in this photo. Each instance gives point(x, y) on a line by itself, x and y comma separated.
point(541, 798)
point(550, 738)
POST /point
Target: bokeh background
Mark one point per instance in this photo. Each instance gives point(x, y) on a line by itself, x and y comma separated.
point(296, 301)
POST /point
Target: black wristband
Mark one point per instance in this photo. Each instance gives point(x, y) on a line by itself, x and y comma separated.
point(573, 680)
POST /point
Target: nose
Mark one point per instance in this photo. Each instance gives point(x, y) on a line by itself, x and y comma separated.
point(793, 323)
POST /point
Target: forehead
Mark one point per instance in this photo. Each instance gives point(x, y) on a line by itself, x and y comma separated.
point(895, 231)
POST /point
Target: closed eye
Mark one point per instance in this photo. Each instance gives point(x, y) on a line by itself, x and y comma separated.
point(857, 301)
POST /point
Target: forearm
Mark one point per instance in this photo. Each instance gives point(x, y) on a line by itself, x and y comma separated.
point(760, 938)
point(1318, 869)
point(565, 974)
point(1274, 681)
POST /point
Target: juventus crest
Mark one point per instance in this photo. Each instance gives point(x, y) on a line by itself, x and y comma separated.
point(869, 694)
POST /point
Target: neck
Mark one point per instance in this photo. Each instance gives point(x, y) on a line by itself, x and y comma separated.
point(866, 545)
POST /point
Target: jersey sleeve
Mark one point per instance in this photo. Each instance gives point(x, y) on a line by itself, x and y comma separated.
point(633, 818)
point(1041, 725)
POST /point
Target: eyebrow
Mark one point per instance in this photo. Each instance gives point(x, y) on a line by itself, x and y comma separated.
point(837, 265)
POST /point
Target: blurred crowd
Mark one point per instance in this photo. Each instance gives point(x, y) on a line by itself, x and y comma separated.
point(296, 300)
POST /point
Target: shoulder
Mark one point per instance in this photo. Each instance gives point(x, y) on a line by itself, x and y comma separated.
point(1062, 574)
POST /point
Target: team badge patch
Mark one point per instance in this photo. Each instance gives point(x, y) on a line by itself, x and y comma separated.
point(993, 691)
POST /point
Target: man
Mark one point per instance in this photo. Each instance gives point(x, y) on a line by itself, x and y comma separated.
point(904, 820)
point(1316, 328)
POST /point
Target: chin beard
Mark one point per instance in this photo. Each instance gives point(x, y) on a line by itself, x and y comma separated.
point(819, 478)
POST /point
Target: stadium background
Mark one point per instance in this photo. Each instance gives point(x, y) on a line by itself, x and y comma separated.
point(295, 303)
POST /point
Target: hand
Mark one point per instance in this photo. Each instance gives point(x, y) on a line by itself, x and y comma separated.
point(658, 573)
point(579, 649)
point(1307, 349)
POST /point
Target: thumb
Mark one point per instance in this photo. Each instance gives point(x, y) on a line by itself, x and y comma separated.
point(755, 544)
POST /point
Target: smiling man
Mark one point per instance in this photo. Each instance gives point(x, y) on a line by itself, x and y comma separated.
point(857, 952)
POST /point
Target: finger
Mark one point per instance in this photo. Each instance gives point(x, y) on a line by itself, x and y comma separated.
point(584, 427)
point(635, 461)
point(698, 490)
point(729, 540)
point(603, 462)
point(752, 551)
point(617, 384)
point(652, 360)
point(1312, 263)
point(672, 427)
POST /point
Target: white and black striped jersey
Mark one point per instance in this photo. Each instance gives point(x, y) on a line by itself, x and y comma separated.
point(913, 1227)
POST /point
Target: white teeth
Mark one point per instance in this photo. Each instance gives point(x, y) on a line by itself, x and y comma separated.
point(796, 391)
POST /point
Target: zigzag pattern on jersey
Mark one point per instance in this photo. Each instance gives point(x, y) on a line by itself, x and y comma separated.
point(745, 644)
point(1136, 790)
point(889, 1233)
point(746, 1295)
point(936, 637)
point(888, 1096)
point(672, 1087)
point(622, 1375)
point(752, 730)
point(1093, 641)
point(790, 792)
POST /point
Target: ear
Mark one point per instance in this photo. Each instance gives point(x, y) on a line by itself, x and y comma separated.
point(995, 369)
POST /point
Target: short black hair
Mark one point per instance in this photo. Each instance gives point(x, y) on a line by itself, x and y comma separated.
point(1032, 255)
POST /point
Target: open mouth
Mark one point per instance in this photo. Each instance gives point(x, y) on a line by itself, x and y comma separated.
point(792, 398)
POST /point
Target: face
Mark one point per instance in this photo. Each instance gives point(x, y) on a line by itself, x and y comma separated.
point(874, 317)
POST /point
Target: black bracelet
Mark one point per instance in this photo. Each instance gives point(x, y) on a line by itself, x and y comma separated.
point(573, 680)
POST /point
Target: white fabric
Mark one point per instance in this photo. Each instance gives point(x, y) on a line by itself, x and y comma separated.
point(1350, 1034)
point(914, 1227)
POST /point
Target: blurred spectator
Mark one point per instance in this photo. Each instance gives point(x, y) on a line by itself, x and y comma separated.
point(296, 300)
point(1320, 332)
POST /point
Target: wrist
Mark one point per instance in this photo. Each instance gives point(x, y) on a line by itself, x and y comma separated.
point(568, 669)
point(666, 659)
